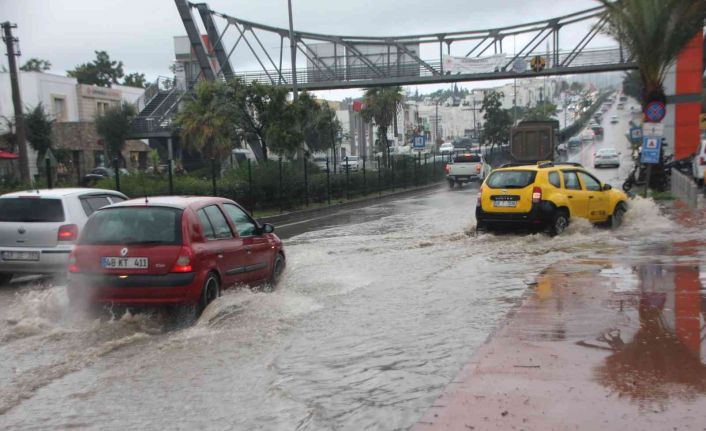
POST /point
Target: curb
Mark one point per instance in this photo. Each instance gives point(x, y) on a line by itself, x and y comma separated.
point(308, 213)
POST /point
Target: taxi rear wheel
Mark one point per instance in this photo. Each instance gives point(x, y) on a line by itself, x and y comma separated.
point(559, 223)
point(616, 219)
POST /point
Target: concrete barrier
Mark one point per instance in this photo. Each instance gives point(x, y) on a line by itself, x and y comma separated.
point(684, 188)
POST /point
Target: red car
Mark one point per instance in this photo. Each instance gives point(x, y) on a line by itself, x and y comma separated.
point(171, 251)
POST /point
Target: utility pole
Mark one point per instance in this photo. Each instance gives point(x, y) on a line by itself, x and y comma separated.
point(293, 49)
point(16, 99)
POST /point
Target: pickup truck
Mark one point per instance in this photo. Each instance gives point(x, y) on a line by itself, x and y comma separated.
point(465, 168)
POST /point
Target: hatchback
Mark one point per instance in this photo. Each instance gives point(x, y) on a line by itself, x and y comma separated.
point(38, 228)
point(171, 251)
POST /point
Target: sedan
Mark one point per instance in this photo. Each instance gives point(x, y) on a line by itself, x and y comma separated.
point(178, 251)
point(38, 228)
point(606, 157)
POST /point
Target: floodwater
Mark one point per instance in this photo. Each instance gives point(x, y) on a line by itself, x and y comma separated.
point(376, 313)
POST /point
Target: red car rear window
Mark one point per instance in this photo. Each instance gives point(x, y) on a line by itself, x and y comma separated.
point(133, 225)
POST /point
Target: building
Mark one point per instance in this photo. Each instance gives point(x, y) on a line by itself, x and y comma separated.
point(73, 107)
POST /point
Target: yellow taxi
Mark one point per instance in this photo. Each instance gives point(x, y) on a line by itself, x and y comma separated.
point(546, 196)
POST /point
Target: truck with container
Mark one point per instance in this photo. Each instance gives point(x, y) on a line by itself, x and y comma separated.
point(533, 141)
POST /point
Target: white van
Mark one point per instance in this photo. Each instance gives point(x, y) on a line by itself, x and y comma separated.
point(242, 155)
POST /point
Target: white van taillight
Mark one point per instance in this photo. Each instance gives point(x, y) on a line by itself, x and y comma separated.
point(702, 160)
point(446, 168)
point(73, 265)
point(67, 232)
point(536, 195)
point(478, 168)
point(184, 261)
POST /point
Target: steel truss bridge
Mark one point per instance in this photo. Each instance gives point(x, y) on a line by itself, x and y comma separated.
point(337, 62)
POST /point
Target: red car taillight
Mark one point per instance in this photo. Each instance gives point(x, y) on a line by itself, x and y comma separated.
point(73, 265)
point(536, 195)
point(478, 168)
point(67, 232)
point(184, 261)
point(446, 168)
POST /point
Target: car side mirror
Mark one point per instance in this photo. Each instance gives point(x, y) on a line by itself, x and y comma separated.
point(267, 228)
point(606, 187)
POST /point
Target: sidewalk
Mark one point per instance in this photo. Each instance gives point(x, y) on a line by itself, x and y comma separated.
point(598, 345)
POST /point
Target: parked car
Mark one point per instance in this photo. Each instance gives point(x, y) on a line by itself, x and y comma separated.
point(446, 148)
point(546, 196)
point(699, 163)
point(100, 173)
point(322, 163)
point(179, 251)
point(466, 167)
point(574, 142)
point(606, 157)
point(38, 228)
point(352, 163)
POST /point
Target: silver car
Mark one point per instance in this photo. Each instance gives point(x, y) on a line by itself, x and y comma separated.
point(606, 157)
point(38, 228)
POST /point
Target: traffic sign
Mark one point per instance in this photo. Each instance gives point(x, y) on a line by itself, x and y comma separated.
point(419, 142)
point(636, 134)
point(655, 111)
point(651, 146)
point(538, 62)
point(653, 129)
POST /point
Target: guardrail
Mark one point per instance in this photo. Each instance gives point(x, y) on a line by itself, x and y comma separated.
point(684, 188)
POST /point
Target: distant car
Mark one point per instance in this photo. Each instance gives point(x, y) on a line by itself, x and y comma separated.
point(699, 163)
point(621, 106)
point(466, 167)
point(350, 163)
point(606, 157)
point(100, 173)
point(322, 163)
point(171, 251)
point(446, 148)
point(614, 119)
point(38, 228)
point(574, 142)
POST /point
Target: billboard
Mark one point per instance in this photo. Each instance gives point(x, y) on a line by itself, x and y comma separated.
point(340, 62)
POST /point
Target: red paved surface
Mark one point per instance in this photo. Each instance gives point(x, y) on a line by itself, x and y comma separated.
point(597, 346)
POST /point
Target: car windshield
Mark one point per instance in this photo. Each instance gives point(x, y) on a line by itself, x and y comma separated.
point(352, 158)
point(133, 225)
point(467, 158)
point(511, 179)
point(607, 152)
point(31, 209)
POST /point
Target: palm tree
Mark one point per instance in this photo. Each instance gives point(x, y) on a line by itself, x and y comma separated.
point(380, 105)
point(654, 32)
point(205, 121)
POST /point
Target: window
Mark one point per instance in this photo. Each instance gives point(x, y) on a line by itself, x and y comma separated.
point(554, 179)
point(208, 232)
point(591, 183)
point(571, 181)
point(243, 223)
point(59, 108)
point(31, 209)
point(511, 179)
point(92, 204)
point(116, 199)
point(219, 223)
point(134, 225)
point(467, 158)
point(101, 107)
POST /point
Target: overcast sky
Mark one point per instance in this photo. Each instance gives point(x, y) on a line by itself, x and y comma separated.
point(140, 32)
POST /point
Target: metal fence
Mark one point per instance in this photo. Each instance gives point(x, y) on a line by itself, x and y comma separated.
point(684, 188)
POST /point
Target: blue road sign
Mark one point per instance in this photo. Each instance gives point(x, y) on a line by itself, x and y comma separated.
point(651, 146)
point(636, 134)
point(419, 142)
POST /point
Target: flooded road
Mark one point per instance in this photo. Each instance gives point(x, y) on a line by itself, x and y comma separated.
point(376, 313)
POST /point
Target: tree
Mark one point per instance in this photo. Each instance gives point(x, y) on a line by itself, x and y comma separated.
point(544, 111)
point(631, 84)
point(113, 126)
point(380, 105)
point(135, 80)
point(39, 125)
point(654, 32)
point(576, 87)
point(318, 123)
point(36, 65)
point(206, 120)
point(497, 119)
point(102, 71)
